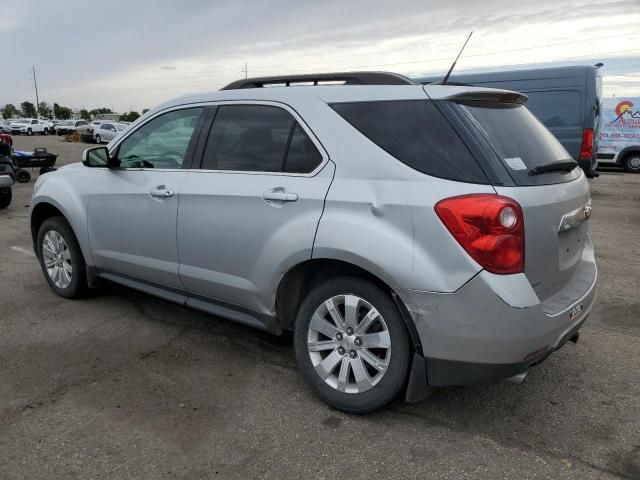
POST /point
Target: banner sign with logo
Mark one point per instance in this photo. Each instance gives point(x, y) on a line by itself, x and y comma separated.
point(619, 124)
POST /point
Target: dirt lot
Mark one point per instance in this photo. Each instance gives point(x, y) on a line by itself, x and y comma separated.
point(122, 385)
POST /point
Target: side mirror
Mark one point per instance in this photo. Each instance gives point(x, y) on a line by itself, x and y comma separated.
point(98, 157)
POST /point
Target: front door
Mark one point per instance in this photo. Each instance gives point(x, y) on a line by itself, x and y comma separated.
point(251, 212)
point(132, 211)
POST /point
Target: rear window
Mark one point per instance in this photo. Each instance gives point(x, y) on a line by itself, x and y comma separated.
point(559, 108)
point(416, 133)
point(520, 140)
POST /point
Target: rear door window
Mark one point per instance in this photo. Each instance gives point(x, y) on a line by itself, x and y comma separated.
point(259, 138)
point(416, 133)
point(520, 140)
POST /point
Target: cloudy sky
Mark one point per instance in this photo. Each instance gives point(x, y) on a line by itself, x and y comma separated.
point(137, 53)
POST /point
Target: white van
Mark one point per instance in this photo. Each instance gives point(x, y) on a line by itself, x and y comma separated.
point(620, 133)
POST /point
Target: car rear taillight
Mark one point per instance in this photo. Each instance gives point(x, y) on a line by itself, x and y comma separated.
point(586, 148)
point(489, 227)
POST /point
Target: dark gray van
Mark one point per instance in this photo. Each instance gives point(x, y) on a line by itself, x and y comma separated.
point(565, 99)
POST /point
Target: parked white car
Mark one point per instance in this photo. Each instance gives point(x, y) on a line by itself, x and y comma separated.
point(29, 126)
point(71, 126)
point(107, 131)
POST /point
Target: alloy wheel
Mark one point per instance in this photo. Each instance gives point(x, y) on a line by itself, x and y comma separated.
point(57, 259)
point(349, 344)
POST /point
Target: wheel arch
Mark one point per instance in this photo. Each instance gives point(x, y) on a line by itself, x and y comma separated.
point(305, 276)
point(46, 208)
point(629, 150)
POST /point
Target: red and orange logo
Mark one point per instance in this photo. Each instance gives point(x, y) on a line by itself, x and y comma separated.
point(623, 107)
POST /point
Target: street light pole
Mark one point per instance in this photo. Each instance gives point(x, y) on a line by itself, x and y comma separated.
point(35, 84)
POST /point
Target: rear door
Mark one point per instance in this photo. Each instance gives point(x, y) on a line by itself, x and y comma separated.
point(553, 246)
point(251, 211)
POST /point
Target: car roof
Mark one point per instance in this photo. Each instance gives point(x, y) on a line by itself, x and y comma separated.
point(328, 94)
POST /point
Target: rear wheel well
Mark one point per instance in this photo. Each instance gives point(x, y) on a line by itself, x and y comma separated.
point(303, 278)
point(40, 213)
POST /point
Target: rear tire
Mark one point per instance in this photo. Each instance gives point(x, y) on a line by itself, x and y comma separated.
point(5, 198)
point(631, 163)
point(340, 370)
point(45, 131)
point(61, 261)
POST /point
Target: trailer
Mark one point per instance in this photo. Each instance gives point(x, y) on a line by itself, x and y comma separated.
point(39, 158)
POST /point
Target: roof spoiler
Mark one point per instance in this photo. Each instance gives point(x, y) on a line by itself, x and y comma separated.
point(347, 78)
point(503, 96)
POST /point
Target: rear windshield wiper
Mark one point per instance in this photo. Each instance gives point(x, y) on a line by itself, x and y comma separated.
point(564, 165)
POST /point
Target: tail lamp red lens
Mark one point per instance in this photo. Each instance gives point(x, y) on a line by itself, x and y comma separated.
point(586, 148)
point(489, 227)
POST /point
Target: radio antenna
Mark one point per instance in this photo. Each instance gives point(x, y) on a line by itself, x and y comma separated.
point(453, 65)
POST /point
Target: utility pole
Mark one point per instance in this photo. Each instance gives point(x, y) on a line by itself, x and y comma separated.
point(246, 71)
point(35, 84)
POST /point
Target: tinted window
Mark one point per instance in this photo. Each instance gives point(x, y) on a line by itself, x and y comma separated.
point(161, 142)
point(303, 156)
point(416, 133)
point(257, 138)
point(556, 108)
point(519, 139)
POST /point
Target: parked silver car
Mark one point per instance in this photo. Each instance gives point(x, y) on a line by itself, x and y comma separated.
point(107, 131)
point(411, 237)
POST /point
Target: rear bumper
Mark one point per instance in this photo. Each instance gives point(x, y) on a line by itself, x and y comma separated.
point(451, 372)
point(589, 166)
point(495, 326)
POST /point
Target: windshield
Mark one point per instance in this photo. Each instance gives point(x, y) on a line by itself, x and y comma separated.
point(520, 140)
point(120, 126)
point(21, 120)
point(67, 122)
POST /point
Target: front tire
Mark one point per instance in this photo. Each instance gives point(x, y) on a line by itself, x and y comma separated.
point(631, 163)
point(351, 345)
point(61, 259)
point(29, 132)
point(98, 139)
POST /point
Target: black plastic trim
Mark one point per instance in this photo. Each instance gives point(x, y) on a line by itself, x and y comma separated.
point(222, 309)
point(349, 78)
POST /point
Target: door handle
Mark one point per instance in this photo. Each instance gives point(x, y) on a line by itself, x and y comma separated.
point(161, 192)
point(279, 195)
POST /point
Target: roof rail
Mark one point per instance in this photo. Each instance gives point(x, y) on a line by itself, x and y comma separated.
point(348, 78)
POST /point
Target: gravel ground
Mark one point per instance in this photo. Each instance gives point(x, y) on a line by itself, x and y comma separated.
point(122, 385)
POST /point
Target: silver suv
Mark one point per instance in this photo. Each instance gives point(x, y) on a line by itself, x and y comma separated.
point(410, 236)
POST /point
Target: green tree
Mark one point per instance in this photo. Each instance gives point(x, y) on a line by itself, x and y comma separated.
point(129, 117)
point(9, 111)
point(28, 109)
point(99, 111)
point(85, 115)
point(145, 111)
point(61, 113)
point(45, 110)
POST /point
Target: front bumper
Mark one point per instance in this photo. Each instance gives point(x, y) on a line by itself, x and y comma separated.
point(495, 326)
point(6, 181)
